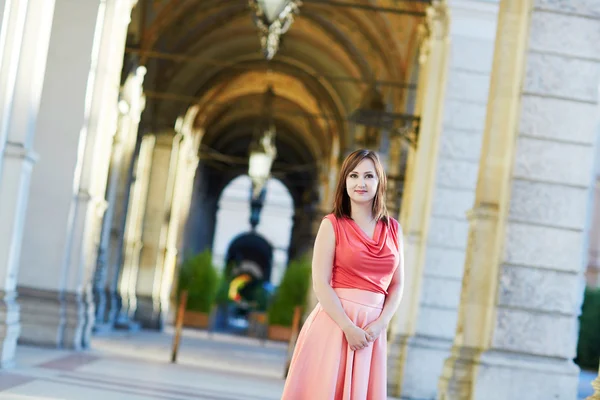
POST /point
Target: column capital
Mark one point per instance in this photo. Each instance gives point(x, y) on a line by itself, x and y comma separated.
point(437, 16)
point(435, 27)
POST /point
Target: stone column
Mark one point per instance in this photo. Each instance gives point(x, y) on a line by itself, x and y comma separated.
point(110, 250)
point(151, 306)
point(189, 160)
point(185, 171)
point(132, 240)
point(431, 86)
point(517, 325)
point(302, 231)
point(24, 38)
point(441, 262)
point(77, 120)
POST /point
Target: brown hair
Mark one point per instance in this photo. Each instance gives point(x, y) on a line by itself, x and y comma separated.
point(341, 203)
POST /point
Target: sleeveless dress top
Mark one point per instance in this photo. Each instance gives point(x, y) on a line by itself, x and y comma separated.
point(361, 262)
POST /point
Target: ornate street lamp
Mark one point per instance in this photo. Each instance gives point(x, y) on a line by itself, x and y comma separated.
point(372, 114)
point(262, 155)
point(262, 151)
point(273, 18)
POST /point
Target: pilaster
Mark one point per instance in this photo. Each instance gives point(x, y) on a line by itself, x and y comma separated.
point(77, 115)
point(472, 33)
point(185, 170)
point(421, 167)
point(522, 282)
point(24, 38)
point(151, 305)
point(110, 255)
point(132, 241)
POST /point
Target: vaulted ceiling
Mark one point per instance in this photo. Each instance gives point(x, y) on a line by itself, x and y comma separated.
point(207, 53)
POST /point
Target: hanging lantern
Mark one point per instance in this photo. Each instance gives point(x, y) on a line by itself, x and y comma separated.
point(262, 151)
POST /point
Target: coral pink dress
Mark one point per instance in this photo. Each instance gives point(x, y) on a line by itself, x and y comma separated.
point(323, 367)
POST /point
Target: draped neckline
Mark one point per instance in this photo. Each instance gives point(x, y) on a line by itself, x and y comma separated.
point(363, 234)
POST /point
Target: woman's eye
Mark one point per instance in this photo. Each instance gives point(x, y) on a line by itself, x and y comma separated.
point(353, 176)
point(370, 176)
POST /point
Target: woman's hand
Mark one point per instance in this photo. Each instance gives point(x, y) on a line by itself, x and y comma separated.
point(356, 337)
point(374, 329)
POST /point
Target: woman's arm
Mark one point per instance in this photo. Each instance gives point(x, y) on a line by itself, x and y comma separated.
point(322, 265)
point(395, 290)
point(392, 300)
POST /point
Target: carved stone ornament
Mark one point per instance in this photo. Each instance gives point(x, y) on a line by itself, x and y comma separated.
point(273, 19)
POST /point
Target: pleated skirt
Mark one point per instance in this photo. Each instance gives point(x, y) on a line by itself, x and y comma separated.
point(324, 368)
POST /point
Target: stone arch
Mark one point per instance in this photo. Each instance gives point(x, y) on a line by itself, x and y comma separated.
point(250, 246)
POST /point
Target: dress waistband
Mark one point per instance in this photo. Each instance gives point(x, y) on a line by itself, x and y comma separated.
point(364, 297)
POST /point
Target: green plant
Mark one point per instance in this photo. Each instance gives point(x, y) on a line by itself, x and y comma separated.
point(588, 346)
point(198, 276)
point(261, 297)
point(292, 292)
point(222, 297)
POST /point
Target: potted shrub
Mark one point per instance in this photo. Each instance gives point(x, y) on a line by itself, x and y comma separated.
point(292, 292)
point(198, 276)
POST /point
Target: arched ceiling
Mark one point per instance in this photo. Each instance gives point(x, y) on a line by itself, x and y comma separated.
point(207, 52)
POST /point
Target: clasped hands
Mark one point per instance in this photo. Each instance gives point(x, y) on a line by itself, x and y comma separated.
point(359, 338)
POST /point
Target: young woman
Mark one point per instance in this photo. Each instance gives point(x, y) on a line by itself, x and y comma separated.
point(357, 272)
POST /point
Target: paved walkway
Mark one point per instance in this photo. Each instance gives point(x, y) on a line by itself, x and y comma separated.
point(137, 367)
point(122, 367)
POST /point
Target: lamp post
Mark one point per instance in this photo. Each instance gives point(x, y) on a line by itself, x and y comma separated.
point(273, 18)
point(262, 151)
point(262, 155)
point(260, 161)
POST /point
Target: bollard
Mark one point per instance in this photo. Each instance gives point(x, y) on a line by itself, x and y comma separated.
point(293, 338)
point(179, 325)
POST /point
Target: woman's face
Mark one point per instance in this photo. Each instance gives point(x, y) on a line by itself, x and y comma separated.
point(362, 182)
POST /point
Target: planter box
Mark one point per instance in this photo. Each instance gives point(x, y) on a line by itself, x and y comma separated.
point(280, 333)
point(195, 319)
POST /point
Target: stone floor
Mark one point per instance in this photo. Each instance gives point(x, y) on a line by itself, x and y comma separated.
point(137, 367)
point(122, 367)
